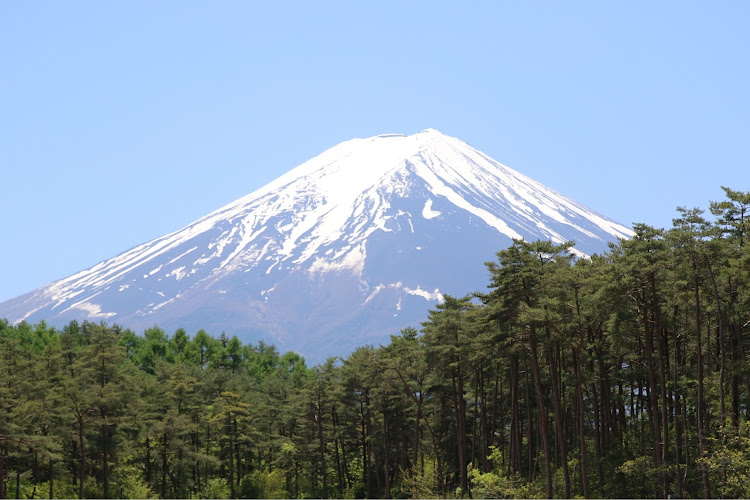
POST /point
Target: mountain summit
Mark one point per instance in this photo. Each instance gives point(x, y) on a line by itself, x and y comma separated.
point(347, 248)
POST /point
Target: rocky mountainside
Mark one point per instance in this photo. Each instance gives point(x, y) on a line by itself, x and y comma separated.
point(344, 250)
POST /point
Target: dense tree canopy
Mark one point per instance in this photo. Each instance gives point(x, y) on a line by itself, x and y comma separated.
point(622, 375)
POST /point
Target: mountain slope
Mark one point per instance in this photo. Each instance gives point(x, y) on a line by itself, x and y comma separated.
point(345, 249)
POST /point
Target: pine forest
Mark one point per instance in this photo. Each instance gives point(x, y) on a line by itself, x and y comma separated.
point(623, 375)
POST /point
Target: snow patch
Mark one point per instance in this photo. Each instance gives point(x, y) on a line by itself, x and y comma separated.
point(32, 311)
point(178, 273)
point(353, 260)
point(275, 263)
point(374, 293)
point(162, 304)
point(430, 296)
point(436, 295)
point(92, 310)
point(181, 256)
point(428, 212)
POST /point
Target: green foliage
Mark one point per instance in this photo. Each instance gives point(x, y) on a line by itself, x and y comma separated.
point(422, 482)
point(729, 461)
point(62, 488)
point(498, 485)
point(267, 484)
point(214, 488)
point(623, 375)
point(129, 483)
point(641, 475)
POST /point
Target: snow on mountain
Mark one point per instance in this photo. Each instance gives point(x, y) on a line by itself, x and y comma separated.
point(346, 249)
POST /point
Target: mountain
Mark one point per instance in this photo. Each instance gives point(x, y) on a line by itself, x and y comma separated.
point(344, 250)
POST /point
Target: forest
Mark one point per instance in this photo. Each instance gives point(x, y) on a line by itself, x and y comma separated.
point(623, 375)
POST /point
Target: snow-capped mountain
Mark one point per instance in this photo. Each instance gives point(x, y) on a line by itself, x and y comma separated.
point(344, 250)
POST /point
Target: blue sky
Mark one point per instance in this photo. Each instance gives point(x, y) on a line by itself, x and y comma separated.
point(123, 121)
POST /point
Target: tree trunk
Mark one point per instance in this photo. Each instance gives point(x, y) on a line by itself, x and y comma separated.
point(460, 404)
point(386, 452)
point(543, 423)
point(105, 459)
point(148, 460)
point(598, 436)
point(474, 442)
point(484, 428)
point(2, 475)
point(515, 460)
point(581, 423)
point(678, 412)
point(51, 479)
point(493, 422)
point(231, 456)
point(339, 471)
point(82, 471)
point(701, 403)
point(652, 388)
point(319, 418)
point(416, 428)
point(663, 360)
point(458, 400)
point(164, 466)
point(533, 437)
point(559, 424)
point(365, 448)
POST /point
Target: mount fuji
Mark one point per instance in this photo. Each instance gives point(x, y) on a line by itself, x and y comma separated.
point(343, 250)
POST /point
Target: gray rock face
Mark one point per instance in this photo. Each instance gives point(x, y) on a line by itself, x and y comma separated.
point(344, 250)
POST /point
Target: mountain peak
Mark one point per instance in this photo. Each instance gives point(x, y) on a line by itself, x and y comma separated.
point(345, 249)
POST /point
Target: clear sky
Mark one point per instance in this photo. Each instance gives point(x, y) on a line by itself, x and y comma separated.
point(121, 121)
